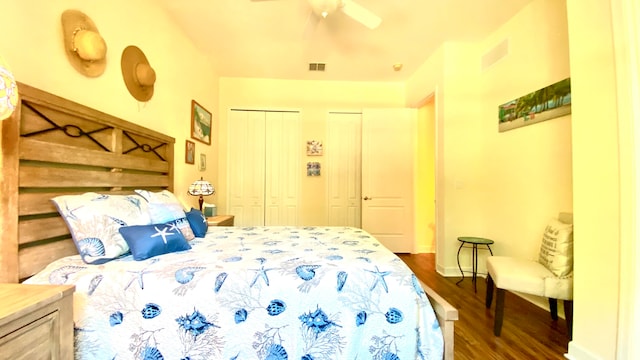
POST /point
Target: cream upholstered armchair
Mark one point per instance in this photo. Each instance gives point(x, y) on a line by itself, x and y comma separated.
point(551, 276)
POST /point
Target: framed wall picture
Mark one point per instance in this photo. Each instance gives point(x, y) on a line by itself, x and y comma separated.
point(190, 152)
point(314, 148)
point(200, 123)
point(313, 168)
point(202, 166)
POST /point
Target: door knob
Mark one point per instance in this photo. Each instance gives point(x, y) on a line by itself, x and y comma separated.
point(367, 198)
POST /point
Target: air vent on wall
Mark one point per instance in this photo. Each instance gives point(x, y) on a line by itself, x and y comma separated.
point(316, 66)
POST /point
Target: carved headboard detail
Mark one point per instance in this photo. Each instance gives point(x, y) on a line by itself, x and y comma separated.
point(52, 146)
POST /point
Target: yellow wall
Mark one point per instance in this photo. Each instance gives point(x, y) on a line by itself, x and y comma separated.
point(313, 99)
point(425, 183)
point(596, 182)
point(504, 186)
point(33, 47)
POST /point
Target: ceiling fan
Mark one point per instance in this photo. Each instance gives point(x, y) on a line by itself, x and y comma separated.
point(324, 8)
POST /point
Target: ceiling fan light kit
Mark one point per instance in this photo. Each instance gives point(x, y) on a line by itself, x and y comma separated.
point(325, 7)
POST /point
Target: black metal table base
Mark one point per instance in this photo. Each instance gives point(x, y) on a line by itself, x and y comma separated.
point(474, 262)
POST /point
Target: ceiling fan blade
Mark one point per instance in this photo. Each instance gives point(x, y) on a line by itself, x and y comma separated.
point(310, 26)
point(360, 14)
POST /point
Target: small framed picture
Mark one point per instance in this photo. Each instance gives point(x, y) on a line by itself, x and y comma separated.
point(314, 148)
point(190, 152)
point(313, 168)
point(200, 123)
point(202, 166)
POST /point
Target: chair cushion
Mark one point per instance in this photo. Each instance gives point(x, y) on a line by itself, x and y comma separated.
point(521, 275)
point(529, 277)
point(556, 251)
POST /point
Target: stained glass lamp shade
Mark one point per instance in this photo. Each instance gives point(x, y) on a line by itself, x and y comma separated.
point(201, 188)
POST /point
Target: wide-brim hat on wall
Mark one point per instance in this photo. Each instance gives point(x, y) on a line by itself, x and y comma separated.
point(138, 75)
point(85, 48)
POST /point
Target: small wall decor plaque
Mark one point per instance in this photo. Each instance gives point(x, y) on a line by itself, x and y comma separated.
point(313, 168)
point(202, 166)
point(314, 148)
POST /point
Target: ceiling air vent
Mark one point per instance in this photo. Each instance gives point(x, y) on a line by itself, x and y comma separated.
point(317, 66)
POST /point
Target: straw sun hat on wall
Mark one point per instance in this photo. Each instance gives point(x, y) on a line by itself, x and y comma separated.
point(139, 76)
point(84, 46)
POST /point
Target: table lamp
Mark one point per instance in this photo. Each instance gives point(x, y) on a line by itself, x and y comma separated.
point(8, 91)
point(201, 188)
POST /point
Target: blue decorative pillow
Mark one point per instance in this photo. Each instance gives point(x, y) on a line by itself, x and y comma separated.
point(94, 219)
point(198, 222)
point(147, 241)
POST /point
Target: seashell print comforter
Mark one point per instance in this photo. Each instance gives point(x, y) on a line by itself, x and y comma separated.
point(253, 293)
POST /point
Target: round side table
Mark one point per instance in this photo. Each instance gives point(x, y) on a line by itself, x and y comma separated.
point(474, 242)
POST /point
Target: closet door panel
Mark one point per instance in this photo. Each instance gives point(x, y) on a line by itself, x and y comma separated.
point(247, 167)
point(282, 168)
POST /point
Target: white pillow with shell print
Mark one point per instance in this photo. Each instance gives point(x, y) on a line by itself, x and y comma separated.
point(165, 207)
point(556, 251)
point(94, 220)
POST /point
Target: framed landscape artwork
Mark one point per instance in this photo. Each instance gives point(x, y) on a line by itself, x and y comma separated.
point(545, 104)
point(200, 123)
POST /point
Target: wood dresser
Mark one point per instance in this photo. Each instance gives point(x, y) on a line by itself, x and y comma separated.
point(220, 220)
point(36, 322)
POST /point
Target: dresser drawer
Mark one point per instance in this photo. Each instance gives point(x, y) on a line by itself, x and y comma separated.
point(36, 322)
point(35, 340)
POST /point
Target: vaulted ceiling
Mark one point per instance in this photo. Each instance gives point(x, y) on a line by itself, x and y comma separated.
point(279, 38)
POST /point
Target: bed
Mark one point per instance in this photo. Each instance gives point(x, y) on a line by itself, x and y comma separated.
point(263, 292)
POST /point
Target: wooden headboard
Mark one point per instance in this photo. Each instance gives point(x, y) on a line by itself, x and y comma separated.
point(52, 146)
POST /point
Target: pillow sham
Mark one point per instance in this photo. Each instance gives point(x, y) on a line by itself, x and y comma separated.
point(556, 250)
point(165, 207)
point(146, 241)
point(198, 222)
point(94, 219)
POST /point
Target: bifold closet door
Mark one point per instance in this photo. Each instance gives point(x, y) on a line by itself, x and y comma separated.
point(246, 167)
point(282, 168)
point(264, 167)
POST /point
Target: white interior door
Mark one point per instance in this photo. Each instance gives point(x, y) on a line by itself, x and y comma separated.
point(246, 166)
point(282, 177)
point(342, 151)
point(388, 149)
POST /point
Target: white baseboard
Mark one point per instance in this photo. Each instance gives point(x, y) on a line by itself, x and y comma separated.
point(577, 352)
point(450, 271)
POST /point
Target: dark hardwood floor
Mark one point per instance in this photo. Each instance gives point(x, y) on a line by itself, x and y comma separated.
point(528, 332)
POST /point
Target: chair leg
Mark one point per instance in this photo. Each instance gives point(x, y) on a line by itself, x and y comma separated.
point(489, 297)
point(553, 308)
point(568, 314)
point(497, 325)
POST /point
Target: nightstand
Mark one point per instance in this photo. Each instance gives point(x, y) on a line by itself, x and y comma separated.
point(220, 220)
point(36, 321)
